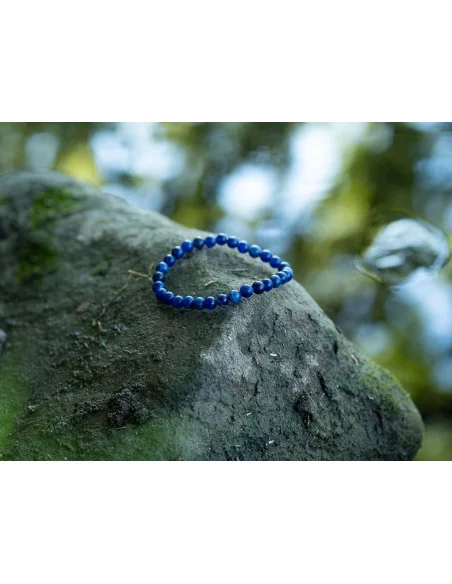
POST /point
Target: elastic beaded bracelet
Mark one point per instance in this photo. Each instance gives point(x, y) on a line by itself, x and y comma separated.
point(282, 276)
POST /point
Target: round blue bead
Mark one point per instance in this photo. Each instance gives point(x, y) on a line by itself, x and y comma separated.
point(210, 241)
point(243, 246)
point(198, 242)
point(187, 301)
point(222, 299)
point(158, 277)
point(258, 287)
point(268, 284)
point(266, 255)
point(187, 246)
point(289, 275)
point(160, 294)
point(168, 297)
point(162, 267)
point(169, 260)
point(287, 269)
point(222, 238)
point(210, 302)
point(283, 276)
point(246, 290)
point(199, 303)
point(177, 301)
point(234, 296)
point(177, 252)
point(276, 281)
point(233, 242)
point(275, 261)
point(254, 251)
point(283, 265)
point(156, 286)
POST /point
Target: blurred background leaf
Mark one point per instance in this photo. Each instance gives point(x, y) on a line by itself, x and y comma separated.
point(316, 193)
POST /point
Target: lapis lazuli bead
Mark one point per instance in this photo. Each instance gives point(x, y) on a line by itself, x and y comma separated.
point(198, 242)
point(223, 300)
point(177, 301)
point(162, 267)
point(287, 269)
point(160, 294)
point(234, 296)
point(254, 251)
point(268, 284)
point(187, 246)
point(210, 302)
point(276, 281)
point(243, 246)
point(283, 265)
point(177, 252)
point(156, 286)
point(246, 291)
point(289, 275)
point(233, 242)
point(169, 260)
point(222, 239)
point(158, 277)
point(210, 241)
point(199, 303)
point(168, 298)
point(275, 261)
point(187, 301)
point(266, 255)
point(258, 287)
point(283, 276)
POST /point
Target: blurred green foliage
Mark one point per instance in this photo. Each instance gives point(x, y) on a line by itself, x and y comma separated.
point(384, 171)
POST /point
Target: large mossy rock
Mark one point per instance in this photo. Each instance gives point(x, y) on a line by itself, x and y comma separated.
point(269, 379)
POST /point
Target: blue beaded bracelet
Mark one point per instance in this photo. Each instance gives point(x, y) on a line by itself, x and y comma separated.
point(282, 276)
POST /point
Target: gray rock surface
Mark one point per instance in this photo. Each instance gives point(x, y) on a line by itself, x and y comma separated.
point(95, 368)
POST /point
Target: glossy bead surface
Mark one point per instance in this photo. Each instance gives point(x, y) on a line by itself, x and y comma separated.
point(234, 296)
point(287, 269)
point(187, 246)
point(266, 255)
point(268, 284)
point(243, 246)
point(177, 252)
point(246, 291)
point(187, 301)
point(198, 242)
point(198, 303)
point(158, 277)
point(156, 286)
point(168, 297)
point(162, 267)
point(276, 281)
point(177, 302)
point(210, 242)
point(222, 299)
point(160, 294)
point(169, 260)
point(222, 239)
point(283, 265)
point(254, 251)
point(233, 242)
point(283, 276)
point(289, 276)
point(275, 261)
point(210, 303)
point(258, 287)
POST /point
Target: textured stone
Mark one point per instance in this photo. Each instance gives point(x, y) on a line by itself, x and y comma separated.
point(270, 378)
